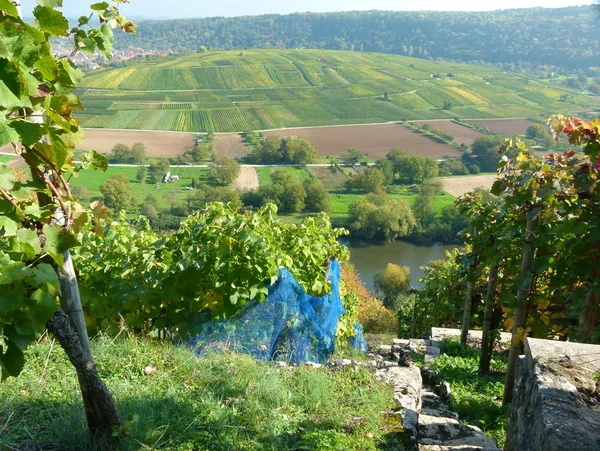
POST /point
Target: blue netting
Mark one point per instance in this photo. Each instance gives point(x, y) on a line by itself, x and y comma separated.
point(289, 325)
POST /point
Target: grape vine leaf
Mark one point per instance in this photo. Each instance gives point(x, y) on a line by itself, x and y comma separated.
point(11, 361)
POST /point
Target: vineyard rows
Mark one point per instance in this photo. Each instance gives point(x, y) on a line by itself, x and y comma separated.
point(262, 89)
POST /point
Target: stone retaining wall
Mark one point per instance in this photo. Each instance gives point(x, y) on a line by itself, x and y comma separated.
point(548, 412)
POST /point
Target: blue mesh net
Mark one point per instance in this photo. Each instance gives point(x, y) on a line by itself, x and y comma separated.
point(289, 325)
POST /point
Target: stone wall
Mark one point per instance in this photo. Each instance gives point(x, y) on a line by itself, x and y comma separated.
point(551, 409)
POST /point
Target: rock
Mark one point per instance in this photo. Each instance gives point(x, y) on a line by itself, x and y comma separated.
point(433, 350)
point(402, 424)
point(313, 364)
point(150, 370)
point(428, 359)
point(442, 390)
point(405, 359)
point(400, 342)
point(406, 383)
point(547, 412)
point(384, 350)
point(418, 342)
point(449, 432)
point(430, 377)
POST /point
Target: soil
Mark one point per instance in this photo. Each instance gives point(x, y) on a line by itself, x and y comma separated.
point(158, 144)
point(231, 145)
point(374, 140)
point(247, 180)
point(461, 134)
point(504, 126)
point(458, 186)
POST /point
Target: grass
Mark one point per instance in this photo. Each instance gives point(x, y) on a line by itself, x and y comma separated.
point(93, 179)
point(264, 174)
point(477, 399)
point(223, 402)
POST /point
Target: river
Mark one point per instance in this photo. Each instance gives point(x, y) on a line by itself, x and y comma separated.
point(368, 258)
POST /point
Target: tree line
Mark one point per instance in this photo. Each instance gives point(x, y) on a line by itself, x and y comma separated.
point(515, 39)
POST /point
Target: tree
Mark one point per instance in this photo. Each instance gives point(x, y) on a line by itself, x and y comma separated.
point(353, 157)
point(292, 193)
point(117, 193)
point(82, 194)
point(138, 153)
point(391, 282)
point(386, 167)
point(141, 174)
point(317, 197)
point(40, 219)
point(485, 151)
point(224, 171)
point(269, 151)
point(386, 96)
point(150, 212)
point(297, 150)
point(158, 170)
point(368, 181)
point(120, 154)
point(536, 131)
point(388, 221)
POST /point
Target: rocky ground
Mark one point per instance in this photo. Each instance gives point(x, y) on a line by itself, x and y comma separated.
point(420, 395)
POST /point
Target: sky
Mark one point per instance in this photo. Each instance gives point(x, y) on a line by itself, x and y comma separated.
point(189, 8)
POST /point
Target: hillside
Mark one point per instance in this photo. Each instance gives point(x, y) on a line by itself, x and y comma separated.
point(521, 37)
point(230, 91)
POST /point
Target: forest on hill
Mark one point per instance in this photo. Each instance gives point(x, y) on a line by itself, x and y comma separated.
point(517, 39)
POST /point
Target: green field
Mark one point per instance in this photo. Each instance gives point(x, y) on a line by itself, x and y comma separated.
point(232, 91)
point(93, 179)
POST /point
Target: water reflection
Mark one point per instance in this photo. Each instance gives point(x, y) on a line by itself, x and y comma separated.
point(368, 258)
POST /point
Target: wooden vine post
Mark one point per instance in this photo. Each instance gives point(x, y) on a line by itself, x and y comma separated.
point(519, 331)
point(36, 118)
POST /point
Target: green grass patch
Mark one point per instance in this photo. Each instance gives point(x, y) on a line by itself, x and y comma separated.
point(477, 399)
point(264, 174)
point(222, 402)
point(93, 179)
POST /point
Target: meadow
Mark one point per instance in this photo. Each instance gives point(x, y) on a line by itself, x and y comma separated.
point(233, 91)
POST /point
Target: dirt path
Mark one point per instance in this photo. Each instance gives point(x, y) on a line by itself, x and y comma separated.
point(247, 180)
point(458, 186)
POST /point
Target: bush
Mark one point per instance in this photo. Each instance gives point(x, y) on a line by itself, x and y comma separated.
point(375, 318)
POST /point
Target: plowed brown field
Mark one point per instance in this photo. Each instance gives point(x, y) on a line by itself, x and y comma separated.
point(374, 140)
point(231, 145)
point(158, 144)
point(462, 135)
point(458, 186)
point(504, 126)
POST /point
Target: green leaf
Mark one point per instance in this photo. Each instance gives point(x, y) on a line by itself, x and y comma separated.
point(51, 21)
point(99, 6)
point(29, 243)
point(44, 273)
point(8, 226)
point(96, 161)
point(7, 6)
point(29, 132)
point(50, 3)
point(58, 241)
point(12, 361)
point(7, 177)
point(7, 133)
point(44, 308)
point(12, 88)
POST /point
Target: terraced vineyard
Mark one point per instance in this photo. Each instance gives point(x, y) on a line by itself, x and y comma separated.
point(232, 91)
